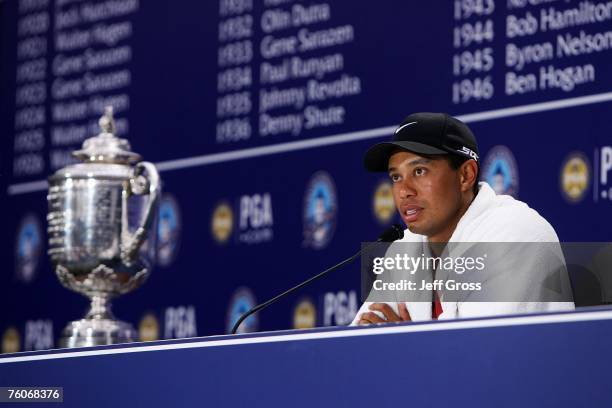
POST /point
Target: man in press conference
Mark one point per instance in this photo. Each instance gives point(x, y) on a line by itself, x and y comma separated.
point(433, 162)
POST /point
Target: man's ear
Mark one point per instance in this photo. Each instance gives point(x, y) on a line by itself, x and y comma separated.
point(468, 171)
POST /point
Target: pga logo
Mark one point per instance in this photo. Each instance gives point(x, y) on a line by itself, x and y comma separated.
point(605, 167)
point(256, 211)
point(339, 308)
point(180, 322)
point(38, 335)
point(606, 163)
point(256, 219)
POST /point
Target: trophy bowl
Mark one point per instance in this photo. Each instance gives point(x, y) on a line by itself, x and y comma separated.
point(101, 212)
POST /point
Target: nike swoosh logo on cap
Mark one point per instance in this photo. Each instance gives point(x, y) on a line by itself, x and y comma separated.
point(403, 126)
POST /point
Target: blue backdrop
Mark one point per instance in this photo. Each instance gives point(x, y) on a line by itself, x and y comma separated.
point(257, 114)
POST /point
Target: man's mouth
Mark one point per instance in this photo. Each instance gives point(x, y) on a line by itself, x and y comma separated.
point(411, 213)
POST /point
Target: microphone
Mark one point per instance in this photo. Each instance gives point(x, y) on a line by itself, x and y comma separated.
point(391, 234)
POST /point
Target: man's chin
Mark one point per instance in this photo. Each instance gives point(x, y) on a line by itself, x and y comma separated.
point(414, 228)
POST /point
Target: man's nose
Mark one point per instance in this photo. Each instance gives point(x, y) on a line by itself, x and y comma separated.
point(406, 188)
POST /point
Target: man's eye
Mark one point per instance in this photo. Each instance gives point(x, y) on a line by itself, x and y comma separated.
point(394, 177)
point(420, 171)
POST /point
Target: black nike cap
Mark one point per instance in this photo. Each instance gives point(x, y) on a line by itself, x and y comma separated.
point(425, 133)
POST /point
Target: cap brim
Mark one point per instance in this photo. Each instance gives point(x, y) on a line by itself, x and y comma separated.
point(377, 157)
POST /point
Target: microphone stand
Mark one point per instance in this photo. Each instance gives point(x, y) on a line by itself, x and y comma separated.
point(393, 233)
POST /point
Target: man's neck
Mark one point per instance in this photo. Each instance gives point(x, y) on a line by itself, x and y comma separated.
point(437, 248)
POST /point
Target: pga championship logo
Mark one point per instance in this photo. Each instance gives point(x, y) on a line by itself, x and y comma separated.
point(28, 248)
point(255, 224)
point(11, 342)
point(241, 302)
point(168, 230)
point(148, 328)
point(500, 171)
point(222, 223)
point(383, 205)
point(304, 315)
point(575, 177)
point(320, 210)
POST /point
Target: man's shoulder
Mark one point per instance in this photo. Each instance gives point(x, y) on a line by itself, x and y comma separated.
point(504, 218)
point(519, 215)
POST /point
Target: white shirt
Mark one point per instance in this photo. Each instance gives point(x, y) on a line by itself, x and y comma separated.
point(490, 218)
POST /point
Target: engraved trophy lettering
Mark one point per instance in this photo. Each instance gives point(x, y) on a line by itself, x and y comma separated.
point(101, 212)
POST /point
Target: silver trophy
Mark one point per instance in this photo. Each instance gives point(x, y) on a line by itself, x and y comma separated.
point(101, 212)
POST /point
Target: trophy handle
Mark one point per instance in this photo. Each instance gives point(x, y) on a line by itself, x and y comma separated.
point(140, 184)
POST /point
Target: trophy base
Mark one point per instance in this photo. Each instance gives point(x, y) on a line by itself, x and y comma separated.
point(96, 332)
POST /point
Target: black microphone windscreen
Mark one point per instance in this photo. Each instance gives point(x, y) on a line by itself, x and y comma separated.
point(392, 233)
